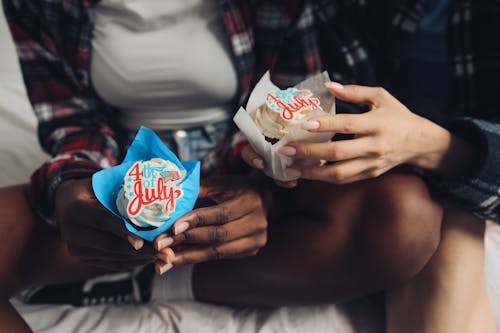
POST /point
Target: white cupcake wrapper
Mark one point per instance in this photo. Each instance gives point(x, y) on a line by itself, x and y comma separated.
point(277, 163)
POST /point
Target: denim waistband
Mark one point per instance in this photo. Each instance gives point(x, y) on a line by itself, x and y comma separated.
point(193, 143)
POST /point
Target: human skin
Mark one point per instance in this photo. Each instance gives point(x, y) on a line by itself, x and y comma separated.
point(326, 243)
point(98, 237)
point(387, 136)
point(449, 295)
point(452, 285)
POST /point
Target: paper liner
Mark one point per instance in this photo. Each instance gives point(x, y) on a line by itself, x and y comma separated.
point(277, 163)
point(147, 145)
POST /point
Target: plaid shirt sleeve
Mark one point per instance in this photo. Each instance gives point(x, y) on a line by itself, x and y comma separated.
point(476, 86)
point(474, 83)
point(52, 40)
point(480, 193)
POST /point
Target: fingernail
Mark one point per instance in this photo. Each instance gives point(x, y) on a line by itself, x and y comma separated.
point(165, 268)
point(258, 163)
point(179, 229)
point(288, 151)
point(136, 243)
point(170, 254)
point(310, 125)
point(293, 173)
point(165, 242)
point(167, 255)
point(334, 85)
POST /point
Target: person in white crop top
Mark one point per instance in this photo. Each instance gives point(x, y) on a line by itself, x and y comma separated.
point(174, 66)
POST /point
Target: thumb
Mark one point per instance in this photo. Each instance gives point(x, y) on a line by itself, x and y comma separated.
point(352, 93)
point(207, 189)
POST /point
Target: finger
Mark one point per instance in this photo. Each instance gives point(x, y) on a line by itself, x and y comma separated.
point(223, 251)
point(359, 94)
point(289, 184)
point(163, 241)
point(341, 123)
point(166, 255)
point(342, 172)
point(222, 233)
point(161, 268)
point(209, 187)
point(90, 238)
point(136, 242)
point(223, 213)
point(333, 151)
point(252, 158)
point(102, 219)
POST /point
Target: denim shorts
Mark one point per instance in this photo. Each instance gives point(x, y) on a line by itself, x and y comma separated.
point(193, 143)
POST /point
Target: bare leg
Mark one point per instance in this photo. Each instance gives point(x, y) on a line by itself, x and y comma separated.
point(449, 295)
point(327, 243)
point(30, 252)
point(332, 243)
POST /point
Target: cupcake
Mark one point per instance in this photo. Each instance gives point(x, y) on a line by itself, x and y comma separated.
point(283, 110)
point(149, 193)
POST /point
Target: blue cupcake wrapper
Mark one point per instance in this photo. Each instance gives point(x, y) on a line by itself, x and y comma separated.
point(147, 145)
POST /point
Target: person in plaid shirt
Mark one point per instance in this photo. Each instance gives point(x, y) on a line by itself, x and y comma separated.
point(294, 39)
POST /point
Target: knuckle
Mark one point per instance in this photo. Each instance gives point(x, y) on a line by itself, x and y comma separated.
point(375, 173)
point(262, 240)
point(258, 203)
point(223, 214)
point(348, 125)
point(83, 197)
point(199, 219)
point(336, 175)
point(219, 234)
point(252, 199)
point(304, 150)
point(379, 165)
point(381, 93)
point(184, 260)
point(381, 148)
point(355, 90)
point(185, 236)
point(333, 154)
point(215, 254)
point(264, 224)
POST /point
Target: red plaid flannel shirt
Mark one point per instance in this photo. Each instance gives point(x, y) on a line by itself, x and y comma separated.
point(76, 128)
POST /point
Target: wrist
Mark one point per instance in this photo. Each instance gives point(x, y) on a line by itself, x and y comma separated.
point(432, 143)
point(444, 153)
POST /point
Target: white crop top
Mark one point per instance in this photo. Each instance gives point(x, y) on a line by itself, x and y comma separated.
point(163, 64)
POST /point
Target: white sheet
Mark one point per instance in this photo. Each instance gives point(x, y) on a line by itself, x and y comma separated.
point(20, 155)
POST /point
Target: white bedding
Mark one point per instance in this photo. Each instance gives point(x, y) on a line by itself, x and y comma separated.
point(20, 155)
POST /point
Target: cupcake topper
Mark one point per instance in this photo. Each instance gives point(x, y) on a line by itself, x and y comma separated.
point(160, 187)
point(292, 102)
point(152, 182)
